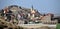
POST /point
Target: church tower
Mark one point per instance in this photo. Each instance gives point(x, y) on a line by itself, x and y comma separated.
point(32, 12)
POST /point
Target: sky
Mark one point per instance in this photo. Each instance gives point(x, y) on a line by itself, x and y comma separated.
point(43, 6)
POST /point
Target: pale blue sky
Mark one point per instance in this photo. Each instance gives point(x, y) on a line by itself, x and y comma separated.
point(43, 6)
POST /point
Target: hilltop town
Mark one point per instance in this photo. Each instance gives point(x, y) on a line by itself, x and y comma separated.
point(19, 15)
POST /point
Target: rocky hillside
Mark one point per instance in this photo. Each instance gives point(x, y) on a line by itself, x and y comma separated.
point(7, 25)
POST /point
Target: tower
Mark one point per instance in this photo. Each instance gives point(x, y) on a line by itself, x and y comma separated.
point(32, 12)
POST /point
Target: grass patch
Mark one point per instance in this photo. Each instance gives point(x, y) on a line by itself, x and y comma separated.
point(58, 26)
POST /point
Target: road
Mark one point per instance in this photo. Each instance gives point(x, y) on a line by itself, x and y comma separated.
point(36, 25)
